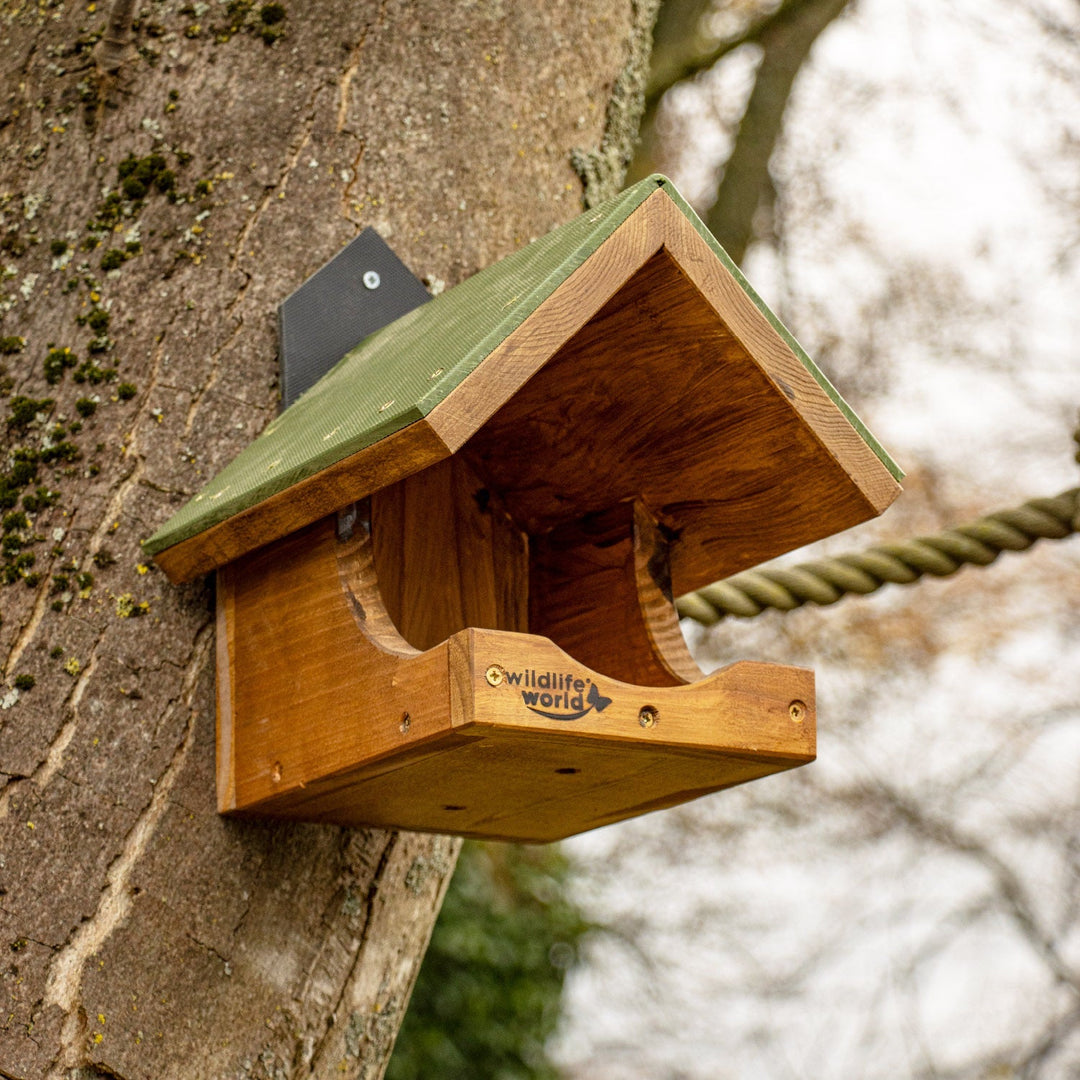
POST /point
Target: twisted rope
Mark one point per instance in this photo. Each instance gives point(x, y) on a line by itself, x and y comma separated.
point(825, 581)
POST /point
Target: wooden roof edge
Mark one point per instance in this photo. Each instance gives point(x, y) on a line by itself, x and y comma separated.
point(558, 260)
point(789, 339)
point(808, 391)
point(355, 477)
point(454, 416)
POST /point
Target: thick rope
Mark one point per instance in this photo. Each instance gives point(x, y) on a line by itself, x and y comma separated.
point(824, 581)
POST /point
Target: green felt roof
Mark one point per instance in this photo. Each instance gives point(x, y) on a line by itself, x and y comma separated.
point(399, 374)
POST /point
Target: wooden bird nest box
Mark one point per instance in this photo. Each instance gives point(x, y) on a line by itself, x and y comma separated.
point(445, 575)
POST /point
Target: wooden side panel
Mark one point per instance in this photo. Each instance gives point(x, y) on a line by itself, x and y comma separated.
point(305, 703)
point(832, 430)
point(447, 556)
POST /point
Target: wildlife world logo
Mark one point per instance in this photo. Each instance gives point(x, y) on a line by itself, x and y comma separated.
point(557, 696)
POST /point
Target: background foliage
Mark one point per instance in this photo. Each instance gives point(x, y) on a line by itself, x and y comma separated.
point(488, 995)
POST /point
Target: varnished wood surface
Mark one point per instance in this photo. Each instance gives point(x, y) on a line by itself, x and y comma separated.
point(522, 786)
point(600, 588)
point(303, 706)
point(328, 714)
point(447, 555)
point(656, 400)
point(679, 378)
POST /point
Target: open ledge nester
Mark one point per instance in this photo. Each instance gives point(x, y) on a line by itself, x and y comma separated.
point(445, 574)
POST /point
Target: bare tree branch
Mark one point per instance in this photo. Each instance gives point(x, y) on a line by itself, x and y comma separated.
point(1009, 884)
point(676, 66)
point(746, 182)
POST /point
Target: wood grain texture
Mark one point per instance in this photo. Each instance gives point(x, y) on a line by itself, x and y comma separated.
point(509, 367)
point(656, 399)
point(600, 588)
point(303, 707)
point(769, 350)
point(447, 555)
point(488, 733)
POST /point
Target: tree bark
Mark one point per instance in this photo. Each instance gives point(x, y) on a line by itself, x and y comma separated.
point(146, 936)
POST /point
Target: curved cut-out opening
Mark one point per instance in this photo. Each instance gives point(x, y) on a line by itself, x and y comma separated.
point(360, 584)
point(446, 555)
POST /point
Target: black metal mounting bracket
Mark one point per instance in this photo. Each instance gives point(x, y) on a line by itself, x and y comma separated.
point(361, 289)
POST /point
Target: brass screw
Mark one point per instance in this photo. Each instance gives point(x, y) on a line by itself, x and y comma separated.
point(275, 772)
point(647, 716)
point(797, 710)
point(495, 675)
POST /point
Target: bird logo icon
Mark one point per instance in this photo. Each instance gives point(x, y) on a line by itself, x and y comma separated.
point(596, 699)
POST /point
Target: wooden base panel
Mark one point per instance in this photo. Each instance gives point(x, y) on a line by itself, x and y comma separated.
point(327, 714)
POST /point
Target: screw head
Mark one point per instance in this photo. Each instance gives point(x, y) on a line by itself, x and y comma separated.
point(647, 716)
point(797, 711)
point(495, 675)
point(275, 772)
point(371, 279)
point(406, 723)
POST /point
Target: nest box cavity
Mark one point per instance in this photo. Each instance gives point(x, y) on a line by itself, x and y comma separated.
point(445, 574)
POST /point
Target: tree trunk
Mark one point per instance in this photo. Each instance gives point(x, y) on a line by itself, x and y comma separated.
point(145, 935)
